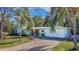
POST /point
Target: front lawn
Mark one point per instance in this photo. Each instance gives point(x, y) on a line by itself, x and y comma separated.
point(65, 46)
point(13, 42)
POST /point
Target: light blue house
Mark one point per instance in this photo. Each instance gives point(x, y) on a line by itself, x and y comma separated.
point(60, 32)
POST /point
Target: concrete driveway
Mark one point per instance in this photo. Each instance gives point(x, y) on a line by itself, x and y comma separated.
point(35, 45)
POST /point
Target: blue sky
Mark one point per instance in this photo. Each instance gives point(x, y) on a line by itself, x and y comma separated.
point(36, 11)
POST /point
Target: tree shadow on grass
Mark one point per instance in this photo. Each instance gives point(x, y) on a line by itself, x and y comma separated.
point(73, 49)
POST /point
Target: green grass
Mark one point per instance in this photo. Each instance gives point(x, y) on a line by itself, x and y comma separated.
point(13, 42)
point(65, 46)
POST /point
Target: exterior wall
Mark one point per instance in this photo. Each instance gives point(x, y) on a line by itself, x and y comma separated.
point(61, 32)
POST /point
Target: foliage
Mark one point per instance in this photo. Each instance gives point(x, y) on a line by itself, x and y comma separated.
point(48, 23)
point(38, 21)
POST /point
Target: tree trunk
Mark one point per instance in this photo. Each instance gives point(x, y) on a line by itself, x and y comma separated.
point(67, 26)
point(20, 32)
point(74, 33)
point(1, 33)
point(20, 36)
point(1, 27)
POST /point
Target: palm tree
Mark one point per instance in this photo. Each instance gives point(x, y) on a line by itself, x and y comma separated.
point(21, 18)
point(58, 14)
point(38, 21)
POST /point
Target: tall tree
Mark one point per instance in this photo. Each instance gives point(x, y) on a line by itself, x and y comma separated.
point(2, 19)
point(5, 13)
point(74, 13)
point(21, 18)
point(65, 13)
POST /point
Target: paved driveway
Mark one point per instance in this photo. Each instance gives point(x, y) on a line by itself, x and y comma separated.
point(35, 45)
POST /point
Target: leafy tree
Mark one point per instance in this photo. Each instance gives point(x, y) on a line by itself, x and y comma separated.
point(4, 14)
point(64, 16)
point(21, 18)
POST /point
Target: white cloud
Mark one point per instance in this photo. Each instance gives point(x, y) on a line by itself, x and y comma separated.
point(46, 8)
